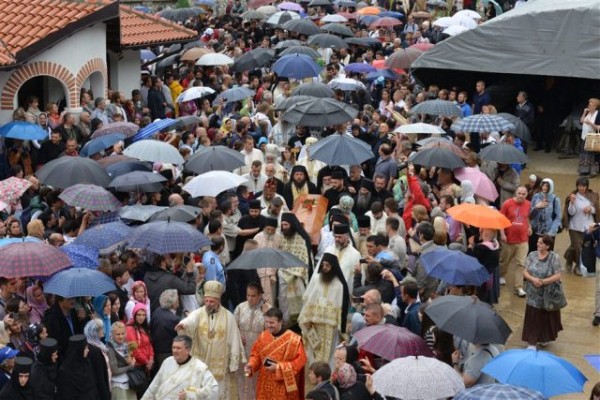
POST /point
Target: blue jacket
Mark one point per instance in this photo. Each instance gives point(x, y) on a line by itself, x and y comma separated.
point(546, 220)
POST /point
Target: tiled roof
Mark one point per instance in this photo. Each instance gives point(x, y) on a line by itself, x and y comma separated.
point(25, 22)
point(139, 29)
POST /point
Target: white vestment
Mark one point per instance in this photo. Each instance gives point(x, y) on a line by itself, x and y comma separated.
point(348, 257)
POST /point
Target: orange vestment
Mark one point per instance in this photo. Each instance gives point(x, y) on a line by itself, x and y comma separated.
point(287, 382)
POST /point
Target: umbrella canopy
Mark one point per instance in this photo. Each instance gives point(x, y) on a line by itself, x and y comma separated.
point(403, 58)
point(68, 171)
point(154, 151)
point(124, 167)
point(444, 22)
point(307, 51)
point(334, 18)
point(346, 84)
point(469, 318)
point(498, 391)
point(162, 237)
point(469, 14)
point(266, 258)
point(187, 121)
point(390, 342)
point(482, 185)
point(420, 127)
point(254, 15)
point(290, 6)
point(297, 66)
point(104, 237)
point(212, 183)
point(326, 40)
point(503, 153)
point(454, 30)
point(106, 162)
point(193, 93)
point(421, 14)
point(125, 128)
point(134, 180)
point(281, 17)
point(79, 282)
point(369, 11)
point(100, 144)
point(285, 103)
point(454, 267)
point(423, 46)
point(168, 61)
point(212, 59)
point(360, 68)
point(30, 259)
point(483, 123)
point(479, 216)
point(181, 14)
point(341, 150)
point(465, 22)
point(536, 370)
point(521, 130)
point(177, 214)
point(321, 112)
point(444, 144)
point(22, 130)
point(90, 197)
point(284, 44)
point(235, 94)
point(437, 107)
point(338, 29)
point(215, 158)
point(254, 59)
point(302, 26)
point(267, 9)
point(139, 212)
point(81, 256)
point(386, 22)
point(417, 378)
point(363, 41)
point(319, 3)
point(383, 73)
point(195, 53)
point(153, 128)
point(11, 189)
point(437, 157)
point(27, 239)
point(146, 54)
point(315, 89)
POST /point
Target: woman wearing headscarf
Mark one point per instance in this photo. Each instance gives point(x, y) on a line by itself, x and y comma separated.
point(76, 379)
point(94, 333)
point(350, 387)
point(103, 309)
point(138, 332)
point(19, 387)
point(545, 214)
point(139, 295)
point(487, 252)
point(44, 371)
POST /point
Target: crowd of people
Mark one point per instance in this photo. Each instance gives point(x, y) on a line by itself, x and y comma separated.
point(183, 326)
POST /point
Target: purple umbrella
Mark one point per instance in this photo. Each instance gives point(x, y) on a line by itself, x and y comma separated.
point(360, 68)
point(391, 342)
point(289, 6)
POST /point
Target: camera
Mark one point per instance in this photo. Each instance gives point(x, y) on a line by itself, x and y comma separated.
point(358, 299)
point(363, 261)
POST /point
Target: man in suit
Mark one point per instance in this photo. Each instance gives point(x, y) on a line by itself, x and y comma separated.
point(410, 306)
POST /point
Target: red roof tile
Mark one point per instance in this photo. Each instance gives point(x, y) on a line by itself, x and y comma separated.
point(139, 29)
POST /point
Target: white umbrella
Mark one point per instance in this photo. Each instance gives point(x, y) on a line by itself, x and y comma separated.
point(282, 17)
point(212, 183)
point(419, 127)
point(3, 205)
point(334, 18)
point(194, 93)
point(465, 21)
point(417, 378)
point(455, 30)
point(214, 59)
point(445, 22)
point(154, 151)
point(267, 10)
point(469, 14)
point(347, 84)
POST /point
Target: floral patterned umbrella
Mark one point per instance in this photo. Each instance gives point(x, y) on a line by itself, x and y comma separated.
point(12, 189)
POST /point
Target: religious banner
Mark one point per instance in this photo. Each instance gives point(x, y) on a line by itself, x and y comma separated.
point(310, 209)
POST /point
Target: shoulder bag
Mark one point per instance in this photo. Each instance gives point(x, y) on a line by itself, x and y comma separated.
point(137, 378)
point(553, 297)
point(592, 142)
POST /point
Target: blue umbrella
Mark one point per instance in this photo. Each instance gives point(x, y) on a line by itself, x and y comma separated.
point(234, 94)
point(81, 256)
point(105, 237)
point(162, 237)
point(498, 391)
point(297, 66)
point(23, 131)
point(79, 282)
point(139, 212)
point(361, 68)
point(6, 241)
point(143, 9)
point(368, 19)
point(100, 144)
point(454, 267)
point(123, 167)
point(382, 73)
point(153, 128)
point(204, 2)
point(536, 370)
point(392, 14)
point(147, 55)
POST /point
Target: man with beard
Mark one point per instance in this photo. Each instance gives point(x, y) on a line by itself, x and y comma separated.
point(346, 255)
point(292, 281)
point(298, 186)
point(269, 193)
point(355, 179)
point(323, 317)
point(268, 238)
point(364, 198)
point(326, 171)
point(364, 231)
point(216, 339)
point(380, 185)
point(334, 193)
point(313, 167)
point(275, 209)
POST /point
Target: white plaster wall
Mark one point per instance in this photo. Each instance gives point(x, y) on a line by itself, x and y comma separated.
point(124, 71)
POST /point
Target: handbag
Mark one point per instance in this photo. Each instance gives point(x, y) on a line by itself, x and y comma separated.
point(553, 297)
point(138, 380)
point(592, 142)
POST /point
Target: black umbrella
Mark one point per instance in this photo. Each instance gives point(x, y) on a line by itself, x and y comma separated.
point(215, 158)
point(186, 121)
point(181, 14)
point(284, 44)
point(468, 318)
point(339, 149)
point(338, 29)
point(68, 171)
point(253, 59)
point(124, 167)
point(139, 181)
point(168, 61)
point(315, 89)
point(522, 130)
point(309, 51)
point(286, 103)
point(319, 3)
point(363, 41)
point(437, 107)
point(326, 40)
point(302, 26)
point(195, 43)
point(320, 112)
point(235, 94)
point(177, 213)
point(437, 157)
point(266, 258)
point(503, 153)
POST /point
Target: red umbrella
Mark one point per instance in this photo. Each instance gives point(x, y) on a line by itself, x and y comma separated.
point(391, 342)
point(254, 4)
point(423, 46)
point(347, 15)
point(106, 161)
point(380, 64)
point(126, 128)
point(403, 58)
point(386, 22)
point(30, 259)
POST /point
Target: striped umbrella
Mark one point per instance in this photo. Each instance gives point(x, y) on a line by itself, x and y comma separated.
point(90, 197)
point(79, 282)
point(28, 259)
point(437, 107)
point(483, 123)
point(498, 391)
point(391, 342)
point(81, 256)
point(153, 128)
point(162, 237)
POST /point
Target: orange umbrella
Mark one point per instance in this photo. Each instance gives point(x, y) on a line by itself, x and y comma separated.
point(195, 53)
point(369, 11)
point(479, 215)
point(380, 64)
